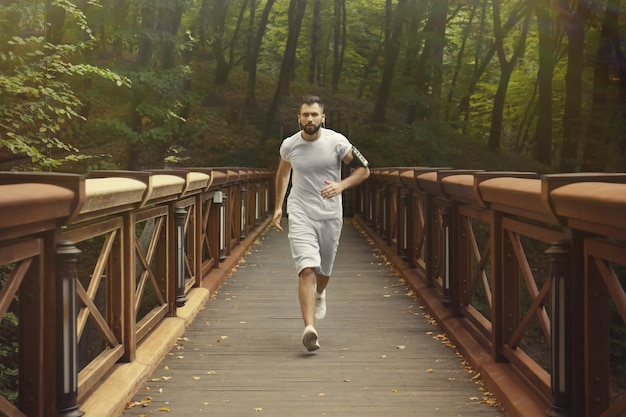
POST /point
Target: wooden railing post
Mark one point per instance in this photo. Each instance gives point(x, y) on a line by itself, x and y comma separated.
point(559, 329)
point(67, 343)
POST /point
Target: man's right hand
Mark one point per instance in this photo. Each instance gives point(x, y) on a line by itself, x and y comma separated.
point(278, 214)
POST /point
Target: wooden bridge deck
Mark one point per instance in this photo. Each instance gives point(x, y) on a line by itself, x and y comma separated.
point(380, 354)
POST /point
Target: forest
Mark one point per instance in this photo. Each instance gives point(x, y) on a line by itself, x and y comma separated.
point(533, 85)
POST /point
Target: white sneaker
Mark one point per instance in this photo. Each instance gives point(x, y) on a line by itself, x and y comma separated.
point(309, 338)
point(320, 305)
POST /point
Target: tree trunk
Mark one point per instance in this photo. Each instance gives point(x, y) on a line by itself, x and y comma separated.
point(120, 10)
point(296, 15)
point(250, 100)
point(148, 25)
point(574, 22)
point(440, 14)
point(339, 41)
point(423, 76)
point(217, 21)
point(482, 62)
point(314, 60)
point(55, 21)
point(459, 64)
point(169, 22)
point(599, 131)
point(542, 149)
point(392, 49)
point(506, 69)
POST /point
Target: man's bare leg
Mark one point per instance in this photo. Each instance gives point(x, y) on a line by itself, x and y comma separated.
point(306, 293)
point(322, 282)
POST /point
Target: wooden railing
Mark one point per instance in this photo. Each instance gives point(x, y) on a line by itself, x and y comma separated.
point(89, 266)
point(522, 272)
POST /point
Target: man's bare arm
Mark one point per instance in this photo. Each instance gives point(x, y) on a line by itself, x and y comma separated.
point(282, 181)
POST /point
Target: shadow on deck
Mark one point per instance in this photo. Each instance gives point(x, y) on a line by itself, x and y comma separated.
point(381, 354)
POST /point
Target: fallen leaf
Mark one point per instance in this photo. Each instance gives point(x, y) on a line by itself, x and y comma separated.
point(211, 372)
point(166, 368)
point(401, 347)
point(164, 409)
point(142, 403)
point(166, 378)
point(394, 390)
point(258, 409)
point(321, 394)
point(430, 370)
point(195, 378)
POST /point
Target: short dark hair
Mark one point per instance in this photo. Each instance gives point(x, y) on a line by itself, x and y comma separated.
point(310, 100)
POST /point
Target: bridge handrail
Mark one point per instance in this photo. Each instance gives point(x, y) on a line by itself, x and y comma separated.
point(110, 255)
point(506, 261)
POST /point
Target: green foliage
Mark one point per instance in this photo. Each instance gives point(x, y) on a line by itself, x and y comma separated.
point(9, 348)
point(38, 99)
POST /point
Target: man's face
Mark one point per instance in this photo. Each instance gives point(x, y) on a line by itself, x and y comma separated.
point(311, 118)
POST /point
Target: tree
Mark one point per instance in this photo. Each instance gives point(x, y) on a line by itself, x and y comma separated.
point(316, 45)
point(506, 69)
point(39, 102)
point(253, 59)
point(600, 133)
point(391, 52)
point(547, 31)
point(296, 15)
point(574, 20)
point(339, 41)
point(467, 29)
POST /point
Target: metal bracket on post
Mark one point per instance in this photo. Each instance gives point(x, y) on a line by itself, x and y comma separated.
point(257, 202)
point(180, 214)
point(244, 213)
point(219, 198)
point(445, 255)
point(404, 226)
point(560, 375)
point(67, 343)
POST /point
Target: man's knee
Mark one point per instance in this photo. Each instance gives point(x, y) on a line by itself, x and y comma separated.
point(307, 273)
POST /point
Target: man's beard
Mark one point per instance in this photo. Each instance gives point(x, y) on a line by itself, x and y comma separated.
point(311, 129)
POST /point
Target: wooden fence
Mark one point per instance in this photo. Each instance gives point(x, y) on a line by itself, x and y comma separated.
point(524, 273)
point(89, 266)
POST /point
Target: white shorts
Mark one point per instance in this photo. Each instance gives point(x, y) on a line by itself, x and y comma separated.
point(314, 243)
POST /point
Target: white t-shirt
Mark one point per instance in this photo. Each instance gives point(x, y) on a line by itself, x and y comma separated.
point(312, 163)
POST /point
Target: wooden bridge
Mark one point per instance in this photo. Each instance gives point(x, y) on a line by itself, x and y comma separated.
point(165, 291)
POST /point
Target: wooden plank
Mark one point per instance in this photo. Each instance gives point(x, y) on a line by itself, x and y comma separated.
point(379, 356)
